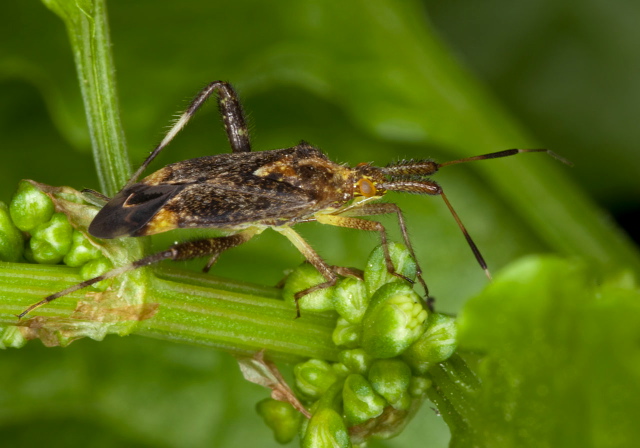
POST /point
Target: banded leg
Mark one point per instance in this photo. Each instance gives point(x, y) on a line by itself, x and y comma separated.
point(313, 258)
point(178, 252)
point(383, 208)
point(234, 122)
point(363, 224)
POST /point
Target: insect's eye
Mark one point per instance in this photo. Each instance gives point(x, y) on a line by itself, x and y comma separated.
point(366, 188)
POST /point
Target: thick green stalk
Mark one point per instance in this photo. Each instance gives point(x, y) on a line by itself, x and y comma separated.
point(86, 22)
point(232, 316)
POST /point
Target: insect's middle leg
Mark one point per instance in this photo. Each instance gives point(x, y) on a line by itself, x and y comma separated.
point(384, 208)
point(313, 258)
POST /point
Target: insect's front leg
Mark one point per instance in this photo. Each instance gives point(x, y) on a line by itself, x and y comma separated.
point(384, 208)
point(363, 224)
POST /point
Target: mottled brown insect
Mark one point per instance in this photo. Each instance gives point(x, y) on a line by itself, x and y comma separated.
point(247, 192)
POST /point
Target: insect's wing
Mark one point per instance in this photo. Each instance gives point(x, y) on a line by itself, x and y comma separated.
point(131, 210)
point(230, 206)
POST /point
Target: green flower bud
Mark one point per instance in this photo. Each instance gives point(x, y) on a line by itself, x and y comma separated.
point(283, 419)
point(11, 241)
point(81, 250)
point(51, 241)
point(30, 207)
point(376, 273)
point(356, 360)
point(301, 278)
point(391, 379)
point(341, 370)
point(419, 386)
point(11, 337)
point(314, 377)
point(435, 345)
point(94, 268)
point(350, 299)
point(394, 320)
point(346, 334)
point(360, 401)
point(326, 429)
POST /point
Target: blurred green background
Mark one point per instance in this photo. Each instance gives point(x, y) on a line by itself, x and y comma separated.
point(365, 81)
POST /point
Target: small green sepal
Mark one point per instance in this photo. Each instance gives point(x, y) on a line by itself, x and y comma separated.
point(395, 319)
point(51, 241)
point(356, 360)
point(283, 419)
point(326, 429)
point(346, 334)
point(376, 273)
point(11, 240)
point(350, 299)
point(360, 401)
point(419, 386)
point(391, 379)
point(301, 278)
point(81, 250)
point(30, 207)
point(437, 344)
point(314, 377)
point(94, 268)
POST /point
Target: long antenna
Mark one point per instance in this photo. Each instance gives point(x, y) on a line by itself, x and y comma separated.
point(506, 153)
point(472, 244)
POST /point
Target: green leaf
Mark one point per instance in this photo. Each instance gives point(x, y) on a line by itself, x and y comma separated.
point(363, 80)
point(560, 360)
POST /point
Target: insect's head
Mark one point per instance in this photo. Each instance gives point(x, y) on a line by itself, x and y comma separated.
point(406, 175)
point(368, 181)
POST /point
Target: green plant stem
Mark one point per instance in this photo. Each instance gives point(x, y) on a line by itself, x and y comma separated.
point(453, 392)
point(86, 22)
point(213, 312)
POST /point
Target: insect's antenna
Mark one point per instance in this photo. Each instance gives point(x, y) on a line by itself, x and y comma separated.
point(506, 153)
point(472, 244)
point(169, 253)
point(425, 186)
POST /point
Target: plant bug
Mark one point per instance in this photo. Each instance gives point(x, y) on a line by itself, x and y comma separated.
point(246, 192)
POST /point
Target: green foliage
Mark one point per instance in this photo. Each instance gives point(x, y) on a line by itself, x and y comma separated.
point(365, 81)
point(559, 359)
point(11, 240)
point(371, 386)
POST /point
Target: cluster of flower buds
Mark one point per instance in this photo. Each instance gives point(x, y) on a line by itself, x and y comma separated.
point(389, 341)
point(32, 231)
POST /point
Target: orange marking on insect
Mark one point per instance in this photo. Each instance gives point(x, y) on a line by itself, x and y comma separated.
point(163, 221)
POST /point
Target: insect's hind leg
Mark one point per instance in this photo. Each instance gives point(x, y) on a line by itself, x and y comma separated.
point(235, 124)
point(178, 252)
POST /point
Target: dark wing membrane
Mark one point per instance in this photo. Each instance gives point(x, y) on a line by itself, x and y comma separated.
point(227, 206)
point(131, 209)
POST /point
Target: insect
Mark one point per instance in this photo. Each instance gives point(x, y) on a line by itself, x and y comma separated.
point(245, 192)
